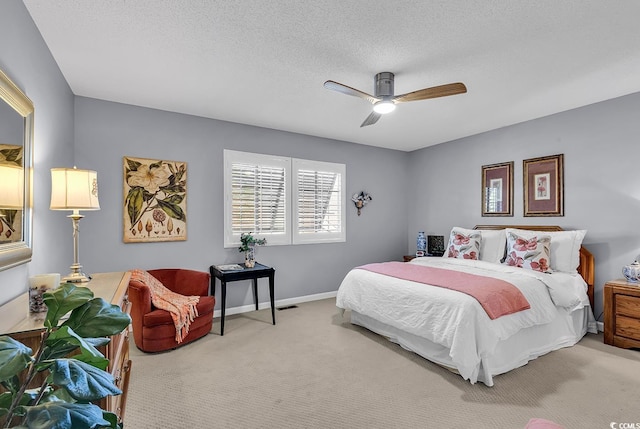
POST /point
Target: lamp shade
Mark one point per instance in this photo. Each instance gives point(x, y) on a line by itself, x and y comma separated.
point(11, 187)
point(73, 189)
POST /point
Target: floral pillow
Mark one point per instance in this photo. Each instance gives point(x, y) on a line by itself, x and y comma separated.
point(531, 253)
point(464, 246)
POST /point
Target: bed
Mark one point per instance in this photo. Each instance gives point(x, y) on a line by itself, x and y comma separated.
point(456, 330)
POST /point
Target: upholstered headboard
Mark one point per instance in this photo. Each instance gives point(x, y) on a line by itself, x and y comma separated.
point(587, 265)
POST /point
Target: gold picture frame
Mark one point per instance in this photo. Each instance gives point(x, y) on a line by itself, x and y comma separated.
point(543, 180)
point(497, 189)
point(155, 200)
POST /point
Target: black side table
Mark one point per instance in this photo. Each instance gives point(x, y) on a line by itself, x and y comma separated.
point(258, 271)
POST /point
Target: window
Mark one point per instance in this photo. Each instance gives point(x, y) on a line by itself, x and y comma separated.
point(319, 208)
point(285, 200)
point(256, 197)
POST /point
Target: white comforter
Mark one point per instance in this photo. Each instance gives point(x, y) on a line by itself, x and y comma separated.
point(456, 320)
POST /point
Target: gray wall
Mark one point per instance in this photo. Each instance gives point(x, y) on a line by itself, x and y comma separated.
point(106, 131)
point(25, 58)
point(601, 182)
point(431, 189)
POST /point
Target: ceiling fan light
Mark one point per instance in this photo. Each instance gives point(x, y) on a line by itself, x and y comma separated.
point(384, 107)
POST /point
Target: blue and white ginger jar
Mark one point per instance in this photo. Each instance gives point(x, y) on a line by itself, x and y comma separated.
point(421, 242)
point(632, 272)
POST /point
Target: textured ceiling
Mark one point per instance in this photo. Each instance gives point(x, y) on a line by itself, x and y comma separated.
point(264, 62)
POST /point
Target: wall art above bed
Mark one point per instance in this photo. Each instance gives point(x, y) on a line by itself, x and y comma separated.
point(497, 189)
point(543, 180)
point(155, 200)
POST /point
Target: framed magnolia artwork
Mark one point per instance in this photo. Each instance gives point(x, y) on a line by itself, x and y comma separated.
point(544, 186)
point(155, 200)
point(497, 189)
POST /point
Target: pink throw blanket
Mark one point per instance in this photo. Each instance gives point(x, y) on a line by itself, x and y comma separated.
point(497, 297)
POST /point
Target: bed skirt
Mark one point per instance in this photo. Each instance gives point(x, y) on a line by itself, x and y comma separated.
point(564, 331)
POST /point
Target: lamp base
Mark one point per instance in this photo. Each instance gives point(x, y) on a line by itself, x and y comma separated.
point(76, 277)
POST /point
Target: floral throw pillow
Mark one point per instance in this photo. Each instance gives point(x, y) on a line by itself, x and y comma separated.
point(464, 246)
point(531, 253)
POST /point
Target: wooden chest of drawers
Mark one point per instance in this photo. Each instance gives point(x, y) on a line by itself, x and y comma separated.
point(622, 314)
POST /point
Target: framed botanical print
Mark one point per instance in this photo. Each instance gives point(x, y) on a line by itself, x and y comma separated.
point(155, 200)
point(543, 180)
point(497, 189)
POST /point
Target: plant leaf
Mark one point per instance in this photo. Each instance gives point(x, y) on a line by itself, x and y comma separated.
point(63, 415)
point(14, 357)
point(13, 155)
point(84, 382)
point(98, 318)
point(173, 189)
point(59, 348)
point(135, 198)
point(6, 398)
point(172, 210)
point(155, 165)
point(88, 353)
point(111, 418)
point(62, 300)
point(133, 165)
point(12, 384)
point(175, 199)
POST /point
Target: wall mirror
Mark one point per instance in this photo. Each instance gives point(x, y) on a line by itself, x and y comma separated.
point(16, 148)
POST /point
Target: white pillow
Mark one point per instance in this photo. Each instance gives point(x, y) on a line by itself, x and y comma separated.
point(492, 246)
point(565, 247)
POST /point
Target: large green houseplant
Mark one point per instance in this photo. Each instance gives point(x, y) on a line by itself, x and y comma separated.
point(75, 369)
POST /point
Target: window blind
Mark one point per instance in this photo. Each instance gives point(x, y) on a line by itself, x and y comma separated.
point(258, 198)
point(319, 202)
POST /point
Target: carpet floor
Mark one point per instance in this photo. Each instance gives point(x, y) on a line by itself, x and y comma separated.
point(316, 370)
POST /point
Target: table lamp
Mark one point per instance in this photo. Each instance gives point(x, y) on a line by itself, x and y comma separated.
point(73, 189)
point(11, 191)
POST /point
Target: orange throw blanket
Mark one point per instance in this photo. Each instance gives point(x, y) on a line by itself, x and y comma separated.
point(497, 297)
point(182, 308)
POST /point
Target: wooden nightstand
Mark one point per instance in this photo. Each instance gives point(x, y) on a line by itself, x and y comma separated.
point(622, 314)
point(408, 258)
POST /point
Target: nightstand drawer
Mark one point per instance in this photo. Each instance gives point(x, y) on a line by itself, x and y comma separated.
point(628, 305)
point(627, 327)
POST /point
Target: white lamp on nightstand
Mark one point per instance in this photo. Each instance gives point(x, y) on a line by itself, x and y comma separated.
point(73, 189)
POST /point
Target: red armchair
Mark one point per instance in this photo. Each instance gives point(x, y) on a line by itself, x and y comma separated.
point(153, 328)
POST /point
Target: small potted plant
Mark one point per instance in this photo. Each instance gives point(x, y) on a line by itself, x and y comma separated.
point(248, 244)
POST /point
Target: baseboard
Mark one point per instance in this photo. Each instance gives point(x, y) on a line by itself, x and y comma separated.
point(600, 326)
point(279, 303)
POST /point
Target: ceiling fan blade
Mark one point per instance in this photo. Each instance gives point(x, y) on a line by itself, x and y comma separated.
point(371, 119)
point(433, 92)
point(335, 86)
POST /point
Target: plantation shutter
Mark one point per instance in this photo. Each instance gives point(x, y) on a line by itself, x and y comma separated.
point(256, 197)
point(319, 195)
point(285, 200)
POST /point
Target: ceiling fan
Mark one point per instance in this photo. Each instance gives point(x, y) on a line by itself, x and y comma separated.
point(384, 101)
